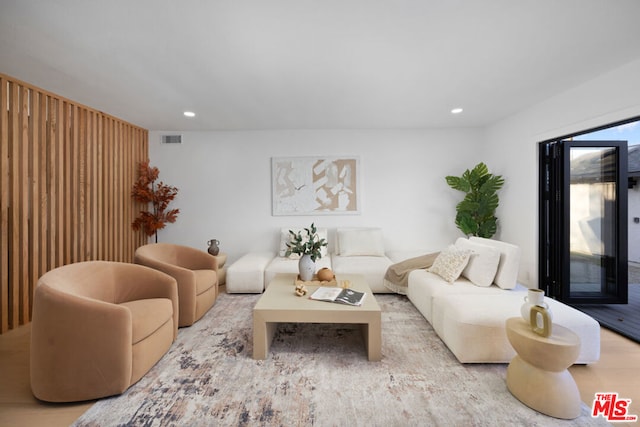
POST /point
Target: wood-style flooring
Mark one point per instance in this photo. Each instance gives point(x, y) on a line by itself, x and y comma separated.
point(618, 370)
point(621, 318)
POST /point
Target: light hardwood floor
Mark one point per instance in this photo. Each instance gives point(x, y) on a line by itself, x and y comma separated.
point(617, 371)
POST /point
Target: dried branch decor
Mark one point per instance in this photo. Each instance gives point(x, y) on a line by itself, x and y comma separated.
point(159, 195)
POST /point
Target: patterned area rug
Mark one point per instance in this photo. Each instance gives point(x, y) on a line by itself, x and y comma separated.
point(316, 375)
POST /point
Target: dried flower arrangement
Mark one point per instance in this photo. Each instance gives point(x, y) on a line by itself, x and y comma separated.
point(146, 191)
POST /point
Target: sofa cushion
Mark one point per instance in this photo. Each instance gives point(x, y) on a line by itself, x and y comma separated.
point(507, 274)
point(372, 268)
point(473, 326)
point(450, 263)
point(359, 242)
point(425, 286)
point(285, 237)
point(483, 262)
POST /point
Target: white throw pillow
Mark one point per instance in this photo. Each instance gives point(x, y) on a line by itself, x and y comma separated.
point(450, 263)
point(360, 242)
point(507, 274)
point(483, 262)
point(285, 237)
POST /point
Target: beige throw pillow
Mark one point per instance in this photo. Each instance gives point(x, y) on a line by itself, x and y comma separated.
point(450, 263)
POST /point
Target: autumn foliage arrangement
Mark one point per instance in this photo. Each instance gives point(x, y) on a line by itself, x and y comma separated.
point(159, 195)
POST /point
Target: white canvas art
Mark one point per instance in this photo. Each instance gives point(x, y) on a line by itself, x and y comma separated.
point(315, 185)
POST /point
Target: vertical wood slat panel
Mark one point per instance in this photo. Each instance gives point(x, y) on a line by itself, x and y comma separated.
point(67, 188)
point(66, 173)
point(77, 181)
point(100, 189)
point(4, 206)
point(34, 193)
point(25, 297)
point(43, 202)
point(59, 183)
point(14, 213)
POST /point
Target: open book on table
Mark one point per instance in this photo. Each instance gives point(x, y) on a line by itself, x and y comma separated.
point(339, 295)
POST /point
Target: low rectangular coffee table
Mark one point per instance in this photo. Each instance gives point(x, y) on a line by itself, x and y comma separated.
point(279, 304)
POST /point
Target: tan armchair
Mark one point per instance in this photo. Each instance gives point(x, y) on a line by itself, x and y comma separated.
point(195, 271)
point(98, 327)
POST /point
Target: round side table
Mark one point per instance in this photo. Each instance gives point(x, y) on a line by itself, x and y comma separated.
point(222, 270)
point(538, 375)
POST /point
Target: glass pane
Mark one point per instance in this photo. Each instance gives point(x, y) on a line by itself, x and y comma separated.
point(592, 222)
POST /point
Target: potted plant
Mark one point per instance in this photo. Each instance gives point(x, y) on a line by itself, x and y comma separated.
point(308, 245)
point(476, 212)
point(145, 190)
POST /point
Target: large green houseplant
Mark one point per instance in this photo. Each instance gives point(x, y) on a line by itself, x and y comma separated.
point(476, 212)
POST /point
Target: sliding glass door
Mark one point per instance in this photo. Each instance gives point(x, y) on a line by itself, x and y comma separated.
point(583, 221)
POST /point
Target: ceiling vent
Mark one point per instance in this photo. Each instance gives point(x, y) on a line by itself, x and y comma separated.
point(172, 139)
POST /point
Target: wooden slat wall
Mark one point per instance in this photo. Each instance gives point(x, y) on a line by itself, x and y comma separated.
point(66, 173)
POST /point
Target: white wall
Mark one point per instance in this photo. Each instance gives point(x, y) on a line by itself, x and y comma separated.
point(225, 189)
point(513, 146)
point(224, 181)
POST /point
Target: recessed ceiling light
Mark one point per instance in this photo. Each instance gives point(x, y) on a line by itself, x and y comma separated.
point(189, 114)
point(456, 111)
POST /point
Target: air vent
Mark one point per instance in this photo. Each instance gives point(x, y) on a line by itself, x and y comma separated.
point(172, 139)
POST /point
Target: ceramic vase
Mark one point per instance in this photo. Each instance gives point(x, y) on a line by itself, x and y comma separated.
point(535, 297)
point(213, 247)
point(306, 268)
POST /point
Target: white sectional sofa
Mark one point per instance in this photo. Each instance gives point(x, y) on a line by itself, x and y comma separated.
point(467, 312)
point(357, 250)
point(470, 318)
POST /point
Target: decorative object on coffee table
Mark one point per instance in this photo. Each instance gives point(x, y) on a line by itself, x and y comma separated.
point(300, 290)
point(325, 274)
point(309, 245)
point(315, 281)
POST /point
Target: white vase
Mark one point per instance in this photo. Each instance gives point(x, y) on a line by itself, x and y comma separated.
point(306, 267)
point(534, 297)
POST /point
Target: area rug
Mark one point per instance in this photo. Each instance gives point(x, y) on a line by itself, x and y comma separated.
point(316, 375)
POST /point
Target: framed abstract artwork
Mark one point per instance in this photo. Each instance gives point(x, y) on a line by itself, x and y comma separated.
point(315, 185)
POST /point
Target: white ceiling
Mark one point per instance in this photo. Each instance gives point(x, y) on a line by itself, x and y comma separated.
point(305, 64)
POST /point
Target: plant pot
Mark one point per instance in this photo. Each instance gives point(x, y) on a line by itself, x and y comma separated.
point(306, 268)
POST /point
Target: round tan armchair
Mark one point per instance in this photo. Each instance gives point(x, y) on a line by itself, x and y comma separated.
point(98, 327)
point(195, 271)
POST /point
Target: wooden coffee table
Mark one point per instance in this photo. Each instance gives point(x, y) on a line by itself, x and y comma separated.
point(279, 304)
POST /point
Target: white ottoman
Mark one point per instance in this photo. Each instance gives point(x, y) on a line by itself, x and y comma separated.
point(473, 326)
point(246, 275)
